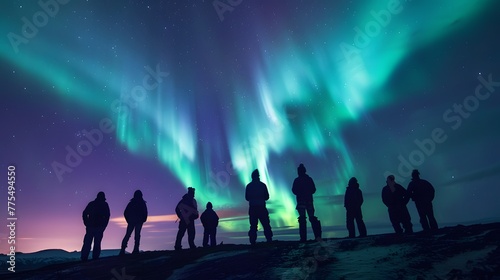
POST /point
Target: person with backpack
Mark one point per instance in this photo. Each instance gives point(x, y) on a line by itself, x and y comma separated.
point(187, 212)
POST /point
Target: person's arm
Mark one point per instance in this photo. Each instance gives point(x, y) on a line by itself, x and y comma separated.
point(247, 194)
point(295, 186)
point(145, 212)
point(346, 199)
point(406, 196)
point(196, 213)
point(432, 191)
point(411, 191)
point(385, 198)
point(313, 186)
point(360, 198)
point(85, 214)
point(107, 214)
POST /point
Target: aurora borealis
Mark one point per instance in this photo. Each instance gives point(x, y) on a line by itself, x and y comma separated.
point(163, 95)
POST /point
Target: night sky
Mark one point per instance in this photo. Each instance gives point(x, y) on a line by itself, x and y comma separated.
point(116, 96)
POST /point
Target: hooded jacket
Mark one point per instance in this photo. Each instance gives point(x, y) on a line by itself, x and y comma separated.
point(136, 211)
point(209, 219)
point(353, 198)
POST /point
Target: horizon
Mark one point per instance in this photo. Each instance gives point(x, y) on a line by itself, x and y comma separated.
point(164, 95)
point(282, 234)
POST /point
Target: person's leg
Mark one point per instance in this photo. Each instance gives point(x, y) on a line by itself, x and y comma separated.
point(213, 233)
point(315, 223)
point(253, 218)
point(266, 223)
point(406, 220)
point(137, 237)
point(206, 235)
point(128, 233)
point(359, 221)
point(422, 215)
point(395, 220)
point(302, 224)
point(349, 221)
point(191, 235)
point(432, 220)
point(87, 243)
point(180, 235)
point(98, 234)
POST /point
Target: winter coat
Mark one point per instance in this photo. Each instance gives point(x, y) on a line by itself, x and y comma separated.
point(209, 219)
point(353, 198)
point(420, 191)
point(96, 214)
point(136, 211)
point(187, 208)
point(303, 188)
point(395, 199)
point(256, 193)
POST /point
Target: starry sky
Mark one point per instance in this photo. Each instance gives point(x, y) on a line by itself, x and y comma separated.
point(116, 96)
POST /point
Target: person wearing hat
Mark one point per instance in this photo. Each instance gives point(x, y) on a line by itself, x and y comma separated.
point(136, 214)
point(303, 187)
point(256, 194)
point(210, 221)
point(95, 218)
point(353, 200)
point(187, 212)
point(422, 193)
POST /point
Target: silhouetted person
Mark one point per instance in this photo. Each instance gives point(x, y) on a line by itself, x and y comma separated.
point(187, 211)
point(303, 187)
point(395, 197)
point(422, 192)
point(95, 218)
point(353, 200)
point(136, 213)
point(256, 194)
point(210, 221)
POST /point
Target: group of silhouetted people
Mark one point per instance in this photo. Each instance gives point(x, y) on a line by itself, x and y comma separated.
point(96, 218)
point(394, 196)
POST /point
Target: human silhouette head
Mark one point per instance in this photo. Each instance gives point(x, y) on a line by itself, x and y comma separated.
point(353, 181)
point(191, 191)
point(138, 194)
point(209, 205)
point(255, 174)
point(415, 174)
point(391, 181)
point(301, 170)
point(101, 196)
